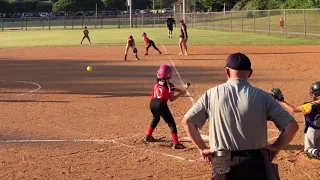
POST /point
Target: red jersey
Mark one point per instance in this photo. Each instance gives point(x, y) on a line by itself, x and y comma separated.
point(161, 91)
point(281, 23)
point(146, 40)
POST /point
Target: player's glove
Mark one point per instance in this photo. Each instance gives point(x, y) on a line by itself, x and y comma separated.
point(276, 94)
point(135, 50)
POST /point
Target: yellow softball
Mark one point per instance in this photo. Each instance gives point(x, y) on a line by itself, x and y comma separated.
point(89, 68)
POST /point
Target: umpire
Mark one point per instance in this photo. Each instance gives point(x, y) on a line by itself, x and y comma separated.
point(238, 115)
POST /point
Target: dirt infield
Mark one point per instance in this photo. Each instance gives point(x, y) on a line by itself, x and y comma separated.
point(59, 121)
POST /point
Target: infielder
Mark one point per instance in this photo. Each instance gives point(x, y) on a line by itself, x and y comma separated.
point(131, 44)
point(149, 43)
point(86, 35)
point(163, 91)
point(311, 111)
point(183, 38)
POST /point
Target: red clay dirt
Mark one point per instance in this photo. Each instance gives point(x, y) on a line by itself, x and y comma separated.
point(111, 103)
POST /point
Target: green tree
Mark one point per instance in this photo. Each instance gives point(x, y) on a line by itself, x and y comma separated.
point(5, 6)
point(159, 4)
point(44, 6)
point(77, 5)
point(215, 4)
point(141, 4)
point(115, 4)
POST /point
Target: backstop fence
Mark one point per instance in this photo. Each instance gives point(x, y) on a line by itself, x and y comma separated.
point(301, 22)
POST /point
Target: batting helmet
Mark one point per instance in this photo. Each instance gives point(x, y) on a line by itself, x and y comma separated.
point(164, 71)
point(315, 89)
point(144, 34)
point(130, 37)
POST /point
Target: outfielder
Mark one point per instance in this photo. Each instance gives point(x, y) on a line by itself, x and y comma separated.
point(170, 23)
point(131, 44)
point(163, 91)
point(149, 43)
point(311, 111)
point(86, 35)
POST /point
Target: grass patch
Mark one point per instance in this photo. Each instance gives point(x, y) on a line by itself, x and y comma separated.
point(159, 35)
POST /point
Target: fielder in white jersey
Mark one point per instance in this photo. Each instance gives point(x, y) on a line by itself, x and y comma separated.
point(131, 44)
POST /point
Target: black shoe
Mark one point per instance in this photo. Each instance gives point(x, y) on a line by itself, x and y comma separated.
point(178, 146)
point(149, 139)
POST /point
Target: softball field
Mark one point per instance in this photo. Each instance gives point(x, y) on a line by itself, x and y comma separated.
point(59, 121)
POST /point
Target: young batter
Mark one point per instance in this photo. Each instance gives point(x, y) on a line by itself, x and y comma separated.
point(162, 92)
point(86, 35)
point(131, 44)
point(149, 43)
point(311, 111)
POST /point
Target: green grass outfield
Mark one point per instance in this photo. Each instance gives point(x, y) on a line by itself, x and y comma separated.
point(111, 37)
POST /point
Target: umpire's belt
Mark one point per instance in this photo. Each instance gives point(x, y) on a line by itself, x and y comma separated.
point(244, 153)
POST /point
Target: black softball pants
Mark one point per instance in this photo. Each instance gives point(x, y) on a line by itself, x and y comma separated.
point(153, 45)
point(160, 109)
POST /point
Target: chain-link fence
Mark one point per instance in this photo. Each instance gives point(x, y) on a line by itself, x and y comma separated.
point(302, 22)
point(305, 22)
point(76, 22)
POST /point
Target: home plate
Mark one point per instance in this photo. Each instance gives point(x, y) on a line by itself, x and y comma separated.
point(204, 137)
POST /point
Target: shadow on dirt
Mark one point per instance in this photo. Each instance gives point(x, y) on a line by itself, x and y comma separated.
point(107, 79)
point(31, 101)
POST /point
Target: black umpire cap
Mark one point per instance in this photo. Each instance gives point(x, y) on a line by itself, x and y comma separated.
point(238, 61)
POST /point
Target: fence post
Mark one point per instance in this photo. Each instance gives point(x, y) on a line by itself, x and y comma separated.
point(95, 22)
point(101, 22)
point(254, 21)
point(269, 22)
point(2, 24)
point(119, 22)
point(82, 21)
point(205, 21)
point(65, 22)
point(136, 21)
point(285, 21)
point(212, 21)
point(21, 20)
point(241, 21)
point(72, 22)
point(305, 23)
point(142, 23)
point(49, 23)
point(26, 21)
point(42, 19)
point(231, 21)
point(221, 21)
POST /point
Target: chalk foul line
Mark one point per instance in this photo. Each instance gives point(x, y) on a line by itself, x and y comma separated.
point(178, 74)
point(93, 141)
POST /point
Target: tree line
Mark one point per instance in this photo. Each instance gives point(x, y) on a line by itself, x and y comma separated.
point(10, 6)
